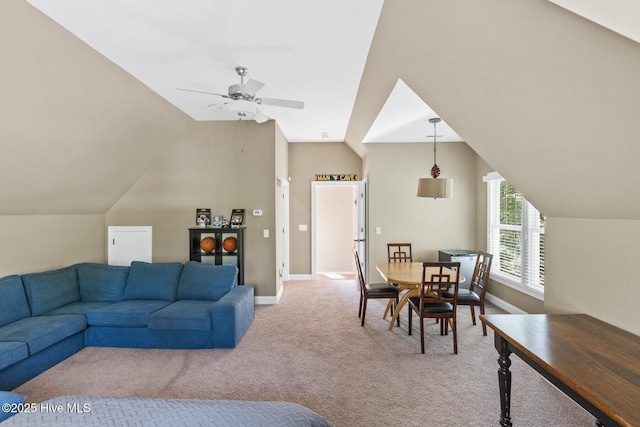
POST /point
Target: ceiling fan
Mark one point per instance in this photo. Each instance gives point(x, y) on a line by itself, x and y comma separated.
point(242, 102)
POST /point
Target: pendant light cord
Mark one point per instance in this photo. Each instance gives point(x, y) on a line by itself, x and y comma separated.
point(435, 170)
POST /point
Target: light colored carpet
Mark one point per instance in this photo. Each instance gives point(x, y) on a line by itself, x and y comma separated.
point(310, 349)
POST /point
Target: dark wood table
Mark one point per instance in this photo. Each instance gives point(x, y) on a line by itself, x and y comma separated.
point(595, 364)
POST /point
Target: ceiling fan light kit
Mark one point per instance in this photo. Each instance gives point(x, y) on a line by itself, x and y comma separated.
point(437, 188)
point(242, 109)
point(242, 102)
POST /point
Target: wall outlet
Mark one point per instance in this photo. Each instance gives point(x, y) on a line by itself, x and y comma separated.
point(257, 212)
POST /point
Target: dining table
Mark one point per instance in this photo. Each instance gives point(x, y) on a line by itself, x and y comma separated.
point(408, 277)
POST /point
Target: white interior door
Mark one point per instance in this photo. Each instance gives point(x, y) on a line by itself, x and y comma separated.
point(284, 272)
point(361, 227)
point(129, 243)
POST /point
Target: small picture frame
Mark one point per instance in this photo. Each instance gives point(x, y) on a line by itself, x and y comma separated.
point(203, 217)
point(217, 221)
point(237, 218)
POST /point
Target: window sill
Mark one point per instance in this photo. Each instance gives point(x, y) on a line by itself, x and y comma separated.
point(506, 281)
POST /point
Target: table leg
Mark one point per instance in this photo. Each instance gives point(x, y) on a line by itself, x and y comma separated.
point(504, 380)
point(388, 308)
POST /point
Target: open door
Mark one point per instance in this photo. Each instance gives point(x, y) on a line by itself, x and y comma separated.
point(361, 227)
point(333, 236)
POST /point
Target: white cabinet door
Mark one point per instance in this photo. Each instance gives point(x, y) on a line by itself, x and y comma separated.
point(126, 244)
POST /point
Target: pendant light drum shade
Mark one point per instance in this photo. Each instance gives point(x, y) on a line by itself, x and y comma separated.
point(437, 188)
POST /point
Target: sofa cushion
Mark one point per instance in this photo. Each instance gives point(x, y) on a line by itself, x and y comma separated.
point(157, 281)
point(129, 313)
point(12, 352)
point(51, 289)
point(101, 282)
point(206, 282)
point(78, 307)
point(13, 399)
point(42, 331)
point(184, 315)
point(14, 304)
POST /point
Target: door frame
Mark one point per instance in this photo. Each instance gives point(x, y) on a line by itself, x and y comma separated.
point(360, 214)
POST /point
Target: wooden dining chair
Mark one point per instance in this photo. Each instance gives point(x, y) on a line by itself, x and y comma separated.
point(438, 298)
point(474, 296)
point(399, 252)
point(373, 290)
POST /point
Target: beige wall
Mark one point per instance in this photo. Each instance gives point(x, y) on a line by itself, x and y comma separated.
point(305, 161)
point(429, 224)
point(32, 243)
point(592, 267)
point(217, 165)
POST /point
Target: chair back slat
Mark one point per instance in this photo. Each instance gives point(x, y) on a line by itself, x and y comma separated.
point(440, 281)
point(399, 252)
point(480, 277)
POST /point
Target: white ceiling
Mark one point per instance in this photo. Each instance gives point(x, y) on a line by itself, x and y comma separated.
point(304, 50)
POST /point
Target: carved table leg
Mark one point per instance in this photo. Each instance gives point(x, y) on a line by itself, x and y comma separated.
point(504, 380)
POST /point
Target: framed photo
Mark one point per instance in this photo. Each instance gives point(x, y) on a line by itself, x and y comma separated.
point(237, 218)
point(203, 217)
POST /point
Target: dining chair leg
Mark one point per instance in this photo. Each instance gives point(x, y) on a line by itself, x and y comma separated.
point(360, 307)
point(422, 334)
point(484, 326)
point(473, 314)
point(409, 321)
point(455, 337)
point(364, 310)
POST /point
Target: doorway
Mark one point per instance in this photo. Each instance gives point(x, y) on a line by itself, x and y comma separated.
point(337, 221)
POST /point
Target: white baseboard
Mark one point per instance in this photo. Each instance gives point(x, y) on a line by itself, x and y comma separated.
point(509, 308)
point(269, 300)
point(301, 277)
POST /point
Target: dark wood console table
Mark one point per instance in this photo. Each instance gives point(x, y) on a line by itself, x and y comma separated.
point(595, 364)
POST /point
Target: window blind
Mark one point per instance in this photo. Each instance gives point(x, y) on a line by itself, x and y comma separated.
point(515, 235)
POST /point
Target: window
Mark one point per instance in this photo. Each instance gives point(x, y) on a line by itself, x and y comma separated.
point(515, 237)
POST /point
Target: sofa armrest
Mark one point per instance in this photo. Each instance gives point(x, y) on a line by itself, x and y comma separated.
point(232, 315)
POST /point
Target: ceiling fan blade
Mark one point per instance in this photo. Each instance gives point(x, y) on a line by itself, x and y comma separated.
point(281, 103)
point(252, 86)
point(260, 117)
point(201, 91)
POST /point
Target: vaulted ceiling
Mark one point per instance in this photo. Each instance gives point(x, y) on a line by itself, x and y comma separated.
point(547, 97)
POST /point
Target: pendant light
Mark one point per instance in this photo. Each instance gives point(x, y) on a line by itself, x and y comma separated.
point(438, 188)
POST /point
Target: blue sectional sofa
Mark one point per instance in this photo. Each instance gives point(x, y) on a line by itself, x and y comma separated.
point(46, 317)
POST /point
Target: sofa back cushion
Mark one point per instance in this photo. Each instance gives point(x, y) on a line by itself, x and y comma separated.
point(13, 303)
point(51, 289)
point(101, 282)
point(206, 282)
point(158, 281)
